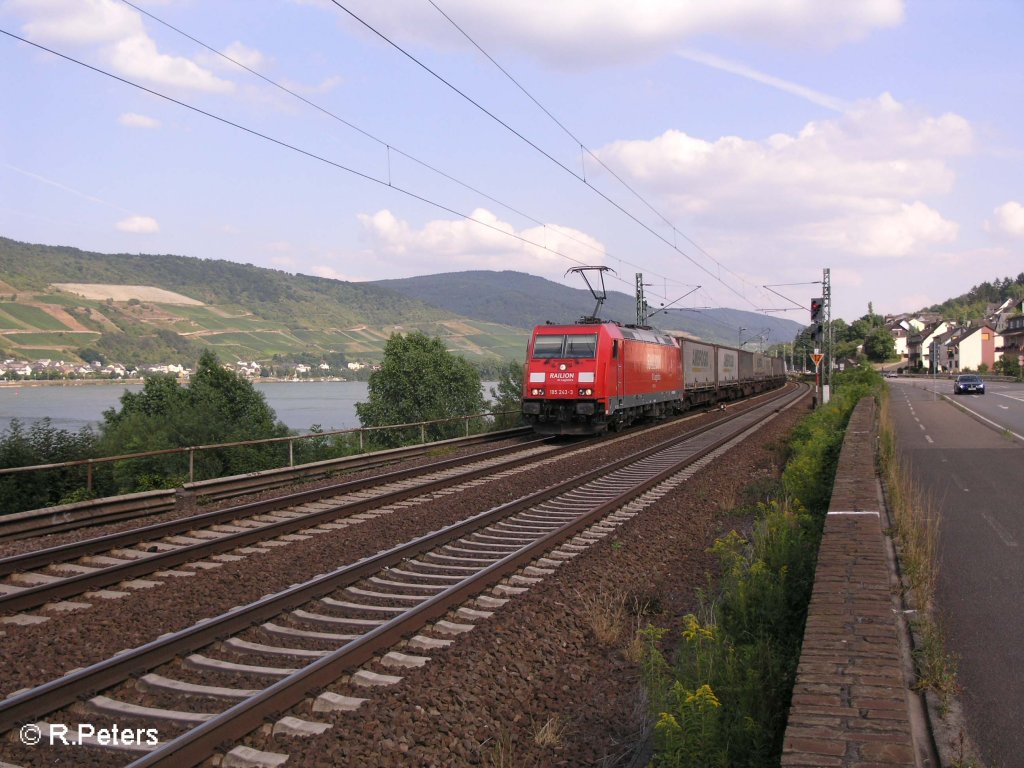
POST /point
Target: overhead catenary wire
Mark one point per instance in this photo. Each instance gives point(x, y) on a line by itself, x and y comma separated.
point(387, 146)
point(585, 149)
point(291, 147)
point(387, 181)
point(539, 149)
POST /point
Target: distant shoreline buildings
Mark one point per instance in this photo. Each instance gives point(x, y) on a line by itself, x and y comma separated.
point(15, 370)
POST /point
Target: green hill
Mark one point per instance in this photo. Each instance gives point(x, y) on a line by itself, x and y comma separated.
point(523, 300)
point(56, 302)
point(978, 302)
point(63, 303)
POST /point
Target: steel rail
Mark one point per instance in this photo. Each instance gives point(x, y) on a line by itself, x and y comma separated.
point(38, 522)
point(48, 697)
point(197, 744)
point(32, 597)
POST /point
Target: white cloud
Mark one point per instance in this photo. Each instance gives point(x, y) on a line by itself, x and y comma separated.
point(78, 22)
point(249, 57)
point(855, 184)
point(137, 56)
point(140, 225)
point(894, 233)
point(484, 242)
point(326, 85)
point(1008, 220)
point(133, 120)
point(577, 33)
point(120, 36)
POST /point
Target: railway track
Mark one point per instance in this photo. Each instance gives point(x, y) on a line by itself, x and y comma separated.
point(50, 520)
point(259, 660)
point(36, 578)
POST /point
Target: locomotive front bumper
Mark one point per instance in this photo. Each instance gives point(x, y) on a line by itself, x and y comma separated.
point(536, 407)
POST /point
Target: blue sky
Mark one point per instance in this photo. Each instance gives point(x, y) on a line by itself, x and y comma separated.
point(729, 145)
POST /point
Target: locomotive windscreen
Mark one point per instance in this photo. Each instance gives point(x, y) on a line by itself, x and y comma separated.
point(578, 345)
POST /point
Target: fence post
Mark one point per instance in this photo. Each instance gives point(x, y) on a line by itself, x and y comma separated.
point(88, 477)
point(191, 464)
point(361, 449)
point(291, 454)
point(467, 426)
point(423, 433)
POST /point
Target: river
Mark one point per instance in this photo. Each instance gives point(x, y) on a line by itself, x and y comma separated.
point(299, 404)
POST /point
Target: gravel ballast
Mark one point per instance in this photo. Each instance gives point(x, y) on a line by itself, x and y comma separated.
point(489, 699)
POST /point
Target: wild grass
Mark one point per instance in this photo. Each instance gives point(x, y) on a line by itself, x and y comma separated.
point(723, 700)
point(551, 734)
point(916, 530)
point(605, 615)
point(914, 515)
point(935, 667)
point(500, 751)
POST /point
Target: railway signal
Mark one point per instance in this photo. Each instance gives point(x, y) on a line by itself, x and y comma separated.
point(816, 306)
point(817, 327)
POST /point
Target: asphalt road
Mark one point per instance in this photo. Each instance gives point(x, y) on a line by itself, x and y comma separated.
point(1002, 403)
point(973, 473)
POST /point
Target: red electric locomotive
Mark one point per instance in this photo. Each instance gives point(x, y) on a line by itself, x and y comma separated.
point(594, 375)
point(585, 378)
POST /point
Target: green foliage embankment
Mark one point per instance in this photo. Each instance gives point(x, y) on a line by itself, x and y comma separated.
point(217, 406)
point(419, 381)
point(41, 443)
point(723, 701)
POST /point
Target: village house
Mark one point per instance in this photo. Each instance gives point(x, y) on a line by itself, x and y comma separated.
point(966, 348)
point(250, 369)
point(1011, 340)
point(920, 344)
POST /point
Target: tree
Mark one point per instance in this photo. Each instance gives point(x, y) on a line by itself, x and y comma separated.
point(865, 326)
point(90, 355)
point(419, 380)
point(840, 330)
point(509, 395)
point(879, 346)
point(1009, 365)
point(217, 406)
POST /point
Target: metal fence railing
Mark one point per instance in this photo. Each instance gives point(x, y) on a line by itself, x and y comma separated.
point(358, 438)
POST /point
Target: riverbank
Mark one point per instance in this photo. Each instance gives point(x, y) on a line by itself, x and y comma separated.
point(139, 381)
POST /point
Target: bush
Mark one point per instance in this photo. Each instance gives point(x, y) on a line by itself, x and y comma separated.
point(724, 702)
point(41, 443)
point(217, 406)
point(508, 396)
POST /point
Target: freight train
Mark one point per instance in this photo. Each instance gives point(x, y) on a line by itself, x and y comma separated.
point(593, 376)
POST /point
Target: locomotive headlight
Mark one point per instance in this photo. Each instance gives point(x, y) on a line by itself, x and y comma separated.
point(586, 392)
point(537, 392)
